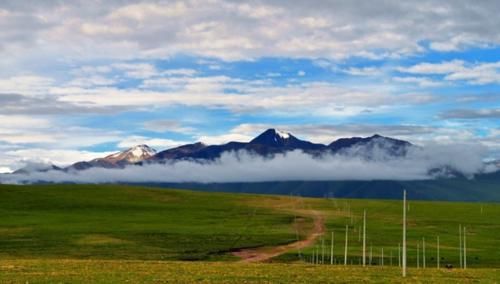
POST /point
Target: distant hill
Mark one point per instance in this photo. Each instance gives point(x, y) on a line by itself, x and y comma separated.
point(485, 188)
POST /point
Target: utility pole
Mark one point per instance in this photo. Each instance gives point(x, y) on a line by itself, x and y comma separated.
point(418, 255)
point(371, 254)
point(404, 233)
point(423, 251)
point(364, 238)
point(331, 250)
point(438, 257)
point(322, 250)
point(346, 243)
point(460, 246)
point(465, 250)
point(399, 254)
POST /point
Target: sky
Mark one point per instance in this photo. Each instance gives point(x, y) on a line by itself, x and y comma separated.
point(82, 79)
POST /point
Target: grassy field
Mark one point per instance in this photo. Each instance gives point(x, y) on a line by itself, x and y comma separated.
point(425, 220)
point(118, 222)
point(110, 233)
point(106, 271)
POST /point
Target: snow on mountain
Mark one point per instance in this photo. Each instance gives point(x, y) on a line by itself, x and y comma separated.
point(282, 134)
point(132, 155)
point(121, 159)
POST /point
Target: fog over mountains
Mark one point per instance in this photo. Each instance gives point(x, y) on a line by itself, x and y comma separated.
point(271, 156)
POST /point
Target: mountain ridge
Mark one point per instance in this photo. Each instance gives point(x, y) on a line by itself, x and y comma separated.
point(267, 144)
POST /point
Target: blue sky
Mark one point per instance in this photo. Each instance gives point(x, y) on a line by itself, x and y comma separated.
point(79, 80)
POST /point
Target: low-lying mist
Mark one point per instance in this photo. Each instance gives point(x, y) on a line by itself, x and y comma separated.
point(353, 164)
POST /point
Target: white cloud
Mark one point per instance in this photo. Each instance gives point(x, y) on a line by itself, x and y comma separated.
point(42, 132)
point(327, 29)
point(457, 70)
point(137, 70)
point(244, 167)
point(314, 23)
point(364, 71)
point(435, 68)
point(91, 81)
point(421, 81)
point(484, 73)
point(59, 157)
point(26, 85)
point(321, 98)
point(157, 143)
point(179, 72)
point(224, 138)
point(14, 122)
point(5, 170)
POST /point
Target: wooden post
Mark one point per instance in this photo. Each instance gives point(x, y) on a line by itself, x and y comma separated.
point(364, 238)
point(346, 243)
point(404, 233)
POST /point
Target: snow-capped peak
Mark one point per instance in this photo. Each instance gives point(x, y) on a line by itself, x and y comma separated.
point(141, 150)
point(282, 134)
point(133, 155)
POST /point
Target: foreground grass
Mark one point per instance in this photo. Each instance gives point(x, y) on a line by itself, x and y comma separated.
point(117, 222)
point(113, 271)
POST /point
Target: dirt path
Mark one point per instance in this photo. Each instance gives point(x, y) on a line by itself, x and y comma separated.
point(263, 254)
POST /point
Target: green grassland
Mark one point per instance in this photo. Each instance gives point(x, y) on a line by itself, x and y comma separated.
point(425, 220)
point(111, 233)
point(118, 222)
point(114, 271)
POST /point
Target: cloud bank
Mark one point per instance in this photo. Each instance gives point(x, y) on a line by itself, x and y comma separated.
point(242, 166)
point(232, 30)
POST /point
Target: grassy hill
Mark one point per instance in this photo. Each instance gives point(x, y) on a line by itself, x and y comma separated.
point(482, 188)
point(109, 233)
point(120, 222)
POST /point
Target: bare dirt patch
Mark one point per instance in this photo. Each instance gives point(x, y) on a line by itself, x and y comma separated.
point(264, 254)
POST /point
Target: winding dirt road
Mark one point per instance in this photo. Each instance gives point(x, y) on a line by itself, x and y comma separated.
point(264, 254)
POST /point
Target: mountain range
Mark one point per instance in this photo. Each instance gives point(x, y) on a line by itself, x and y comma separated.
point(267, 144)
point(444, 183)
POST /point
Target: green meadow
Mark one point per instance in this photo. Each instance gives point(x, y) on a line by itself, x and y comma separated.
point(113, 233)
point(120, 222)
